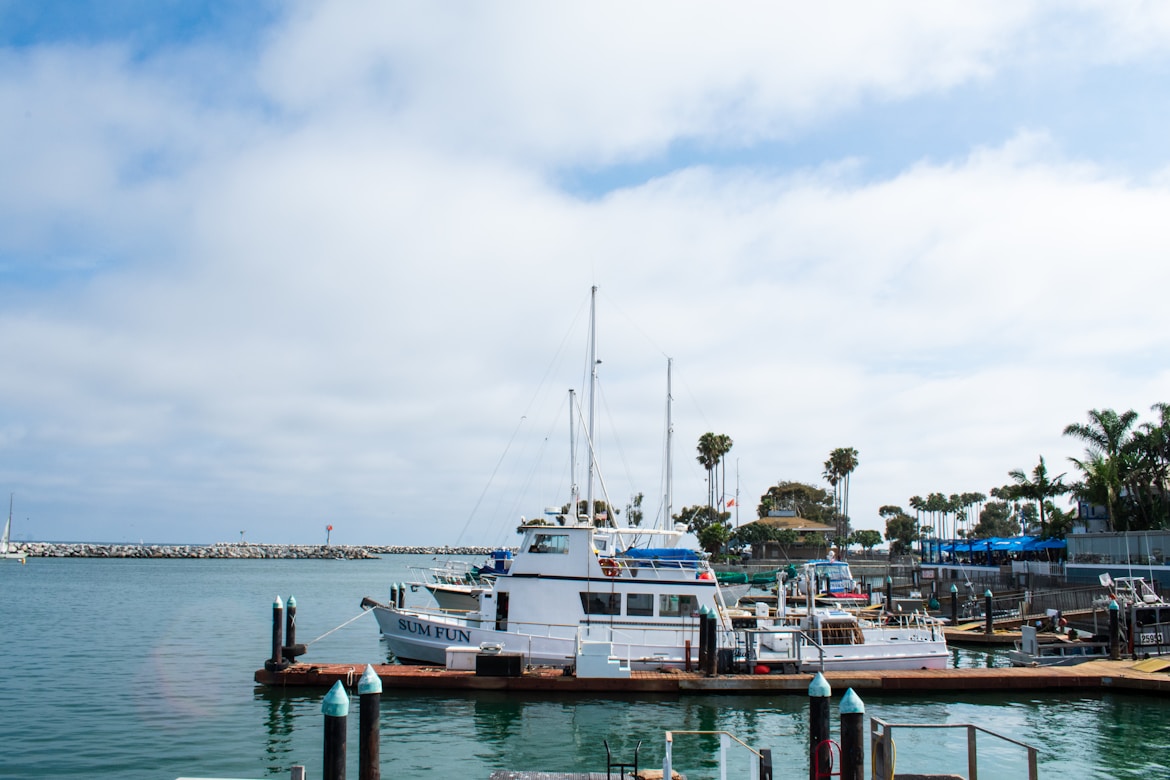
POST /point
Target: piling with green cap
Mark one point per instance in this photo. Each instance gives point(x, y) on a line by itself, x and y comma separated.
point(852, 711)
point(335, 707)
point(369, 713)
point(988, 620)
point(820, 757)
point(277, 662)
point(1114, 630)
point(954, 605)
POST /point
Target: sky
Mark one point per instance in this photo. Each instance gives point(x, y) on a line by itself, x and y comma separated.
point(270, 267)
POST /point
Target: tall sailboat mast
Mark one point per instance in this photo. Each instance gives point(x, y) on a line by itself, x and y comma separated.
point(592, 401)
point(574, 490)
point(667, 502)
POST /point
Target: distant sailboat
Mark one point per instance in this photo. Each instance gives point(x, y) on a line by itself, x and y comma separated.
point(6, 550)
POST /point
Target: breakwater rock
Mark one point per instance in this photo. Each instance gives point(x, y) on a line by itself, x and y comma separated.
point(231, 550)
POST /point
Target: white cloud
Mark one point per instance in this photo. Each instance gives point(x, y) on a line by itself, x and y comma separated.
point(338, 301)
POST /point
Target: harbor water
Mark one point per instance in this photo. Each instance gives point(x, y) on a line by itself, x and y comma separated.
point(142, 669)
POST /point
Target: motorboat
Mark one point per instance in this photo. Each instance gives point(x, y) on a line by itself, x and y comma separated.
point(1057, 650)
point(455, 584)
point(1144, 615)
point(817, 637)
point(831, 582)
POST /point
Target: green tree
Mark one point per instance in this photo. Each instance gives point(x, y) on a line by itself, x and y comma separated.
point(807, 501)
point(1107, 436)
point(866, 538)
point(995, 519)
point(713, 448)
point(838, 468)
point(634, 511)
point(714, 537)
point(1040, 489)
point(901, 529)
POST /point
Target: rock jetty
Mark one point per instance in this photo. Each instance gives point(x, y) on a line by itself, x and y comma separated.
point(231, 550)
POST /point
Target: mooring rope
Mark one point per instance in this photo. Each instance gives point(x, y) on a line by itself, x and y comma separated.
point(343, 625)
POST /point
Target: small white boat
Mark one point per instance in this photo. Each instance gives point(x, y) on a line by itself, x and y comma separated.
point(1058, 651)
point(456, 584)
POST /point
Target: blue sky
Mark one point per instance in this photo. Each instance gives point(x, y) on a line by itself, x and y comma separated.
point(272, 266)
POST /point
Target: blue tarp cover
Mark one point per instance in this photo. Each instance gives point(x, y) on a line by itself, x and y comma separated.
point(661, 554)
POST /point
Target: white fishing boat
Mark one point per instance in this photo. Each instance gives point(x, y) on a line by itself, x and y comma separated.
point(7, 550)
point(570, 585)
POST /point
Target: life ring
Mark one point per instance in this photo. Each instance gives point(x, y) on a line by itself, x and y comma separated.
point(610, 567)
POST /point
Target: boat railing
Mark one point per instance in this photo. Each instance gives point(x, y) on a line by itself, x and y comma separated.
point(760, 760)
point(884, 754)
point(749, 645)
point(624, 567)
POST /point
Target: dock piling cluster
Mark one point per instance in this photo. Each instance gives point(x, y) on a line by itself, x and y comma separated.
point(823, 751)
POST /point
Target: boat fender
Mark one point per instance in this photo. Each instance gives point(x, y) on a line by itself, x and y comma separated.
point(610, 567)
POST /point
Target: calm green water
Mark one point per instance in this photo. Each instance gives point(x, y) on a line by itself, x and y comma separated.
point(143, 669)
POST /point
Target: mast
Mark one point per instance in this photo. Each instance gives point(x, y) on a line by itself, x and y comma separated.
point(592, 400)
point(669, 455)
point(573, 489)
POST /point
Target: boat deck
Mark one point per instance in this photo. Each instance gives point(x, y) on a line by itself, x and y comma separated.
point(1091, 675)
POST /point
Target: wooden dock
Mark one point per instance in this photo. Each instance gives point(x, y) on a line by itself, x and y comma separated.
point(1089, 676)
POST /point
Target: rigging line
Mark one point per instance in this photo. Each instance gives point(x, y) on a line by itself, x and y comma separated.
point(491, 478)
point(343, 625)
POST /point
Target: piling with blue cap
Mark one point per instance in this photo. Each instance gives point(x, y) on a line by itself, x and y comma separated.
point(820, 758)
point(852, 712)
point(335, 707)
point(369, 714)
point(277, 662)
point(1114, 630)
point(704, 650)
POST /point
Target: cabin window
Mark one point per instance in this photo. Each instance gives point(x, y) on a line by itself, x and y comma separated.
point(678, 606)
point(550, 543)
point(601, 603)
point(640, 605)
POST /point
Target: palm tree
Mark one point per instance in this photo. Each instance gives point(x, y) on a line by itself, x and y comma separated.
point(1108, 437)
point(712, 448)
point(841, 463)
point(1040, 488)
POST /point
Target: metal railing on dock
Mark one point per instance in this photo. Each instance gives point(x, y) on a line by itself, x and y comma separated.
point(761, 767)
point(884, 754)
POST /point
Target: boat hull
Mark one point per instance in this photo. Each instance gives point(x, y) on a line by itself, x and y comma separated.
point(416, 636)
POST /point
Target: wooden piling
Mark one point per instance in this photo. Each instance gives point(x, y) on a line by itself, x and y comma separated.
point(852, 711)
point(819, 692)
point(765, 764)
point(335, 707)
point(290, 621)
point(369, 715)
point(954, 605)
point(1114, 631)
point(988, 628)
point(277, 662)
